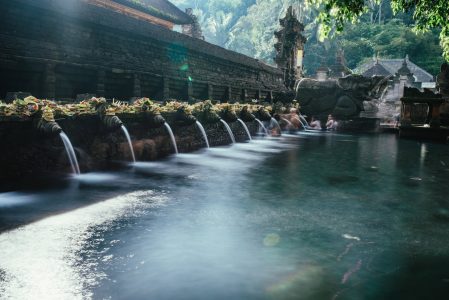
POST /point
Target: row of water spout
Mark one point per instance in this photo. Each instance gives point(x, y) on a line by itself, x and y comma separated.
point(74, 162)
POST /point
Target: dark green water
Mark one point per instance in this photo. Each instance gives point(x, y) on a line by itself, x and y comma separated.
point(308, 217)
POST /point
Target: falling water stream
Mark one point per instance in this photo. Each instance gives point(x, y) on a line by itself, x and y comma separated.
point(70, 153)
point(231, 135)
point(246, 128)
point(273, 120)
point(128, 138)
point(288, 122)
point(300, 121)
point(262, 126)
point(304, 119)
point(172, 137)
point(203, 132)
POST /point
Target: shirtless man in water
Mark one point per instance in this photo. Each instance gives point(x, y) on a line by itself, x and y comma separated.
point(331, 124)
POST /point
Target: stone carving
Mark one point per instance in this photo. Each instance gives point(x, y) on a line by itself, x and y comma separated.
point(246, 115)
point(341, 97)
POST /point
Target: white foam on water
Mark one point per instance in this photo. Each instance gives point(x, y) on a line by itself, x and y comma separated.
point(41, 260)
point(10, 199)
point(231, 152)
point(256, 148)
point(96, 178)
point(216, 158)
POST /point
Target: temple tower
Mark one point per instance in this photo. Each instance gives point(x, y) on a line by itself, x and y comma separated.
point(290, 48)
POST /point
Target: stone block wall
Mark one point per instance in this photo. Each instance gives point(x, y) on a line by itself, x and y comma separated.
point(58, 49)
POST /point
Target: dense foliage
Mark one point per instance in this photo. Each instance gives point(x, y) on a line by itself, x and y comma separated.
point(427, 14)
point(247, 26)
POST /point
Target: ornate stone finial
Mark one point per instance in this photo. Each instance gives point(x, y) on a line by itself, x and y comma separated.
point(404, 72)
point(194, 29)
point(290, 47)
point(339, 69)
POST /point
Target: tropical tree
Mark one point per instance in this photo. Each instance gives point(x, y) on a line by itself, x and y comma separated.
point(427, 14)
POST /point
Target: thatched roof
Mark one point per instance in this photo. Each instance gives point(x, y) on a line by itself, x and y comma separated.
point(162, 9)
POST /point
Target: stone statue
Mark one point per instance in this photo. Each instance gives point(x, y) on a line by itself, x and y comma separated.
point(342, 97)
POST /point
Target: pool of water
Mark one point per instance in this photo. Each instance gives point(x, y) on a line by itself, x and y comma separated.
point(309, 216)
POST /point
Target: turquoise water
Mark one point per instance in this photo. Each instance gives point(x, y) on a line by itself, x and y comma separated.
point(309, 216)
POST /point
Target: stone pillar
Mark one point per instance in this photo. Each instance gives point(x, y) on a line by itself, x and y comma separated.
point(228, 94)
point(270, 96)
point(406, 118)
point(443, 80)
point(434, 111)
point(210, 91)
point(258, 93)
point(137, 90)
point(402, 85)
point(244, 95)
point(50, 81)
point(101, 74)
point(166, 88)
point(189, 91)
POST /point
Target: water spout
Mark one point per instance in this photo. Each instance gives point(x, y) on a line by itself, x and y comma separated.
point(128, 138)
point(273, 120)
point(300, 121)
point(70, 153)
point(304, 119)
point(231, 135)
point(246, 128)
point(203, 132)
point(262, 126)
point(288, 122)
point(172, 137)
point(49, 128)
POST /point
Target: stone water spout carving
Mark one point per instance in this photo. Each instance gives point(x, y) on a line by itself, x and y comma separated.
point(342, 97)
point(184, 117)
point(227, 113)
point(178, 113)
point(42, 117)
point(246, 115)
point(47, 125)
point(262, 114)
point(108, 117)
point(150, 112)
point(206, 112)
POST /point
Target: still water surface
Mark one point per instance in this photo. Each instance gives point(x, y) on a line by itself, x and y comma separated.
point(302, 217)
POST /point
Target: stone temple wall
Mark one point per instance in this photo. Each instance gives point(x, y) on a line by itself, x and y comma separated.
point(58, 49)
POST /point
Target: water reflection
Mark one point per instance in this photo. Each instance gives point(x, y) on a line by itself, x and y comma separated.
point(316, 217)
